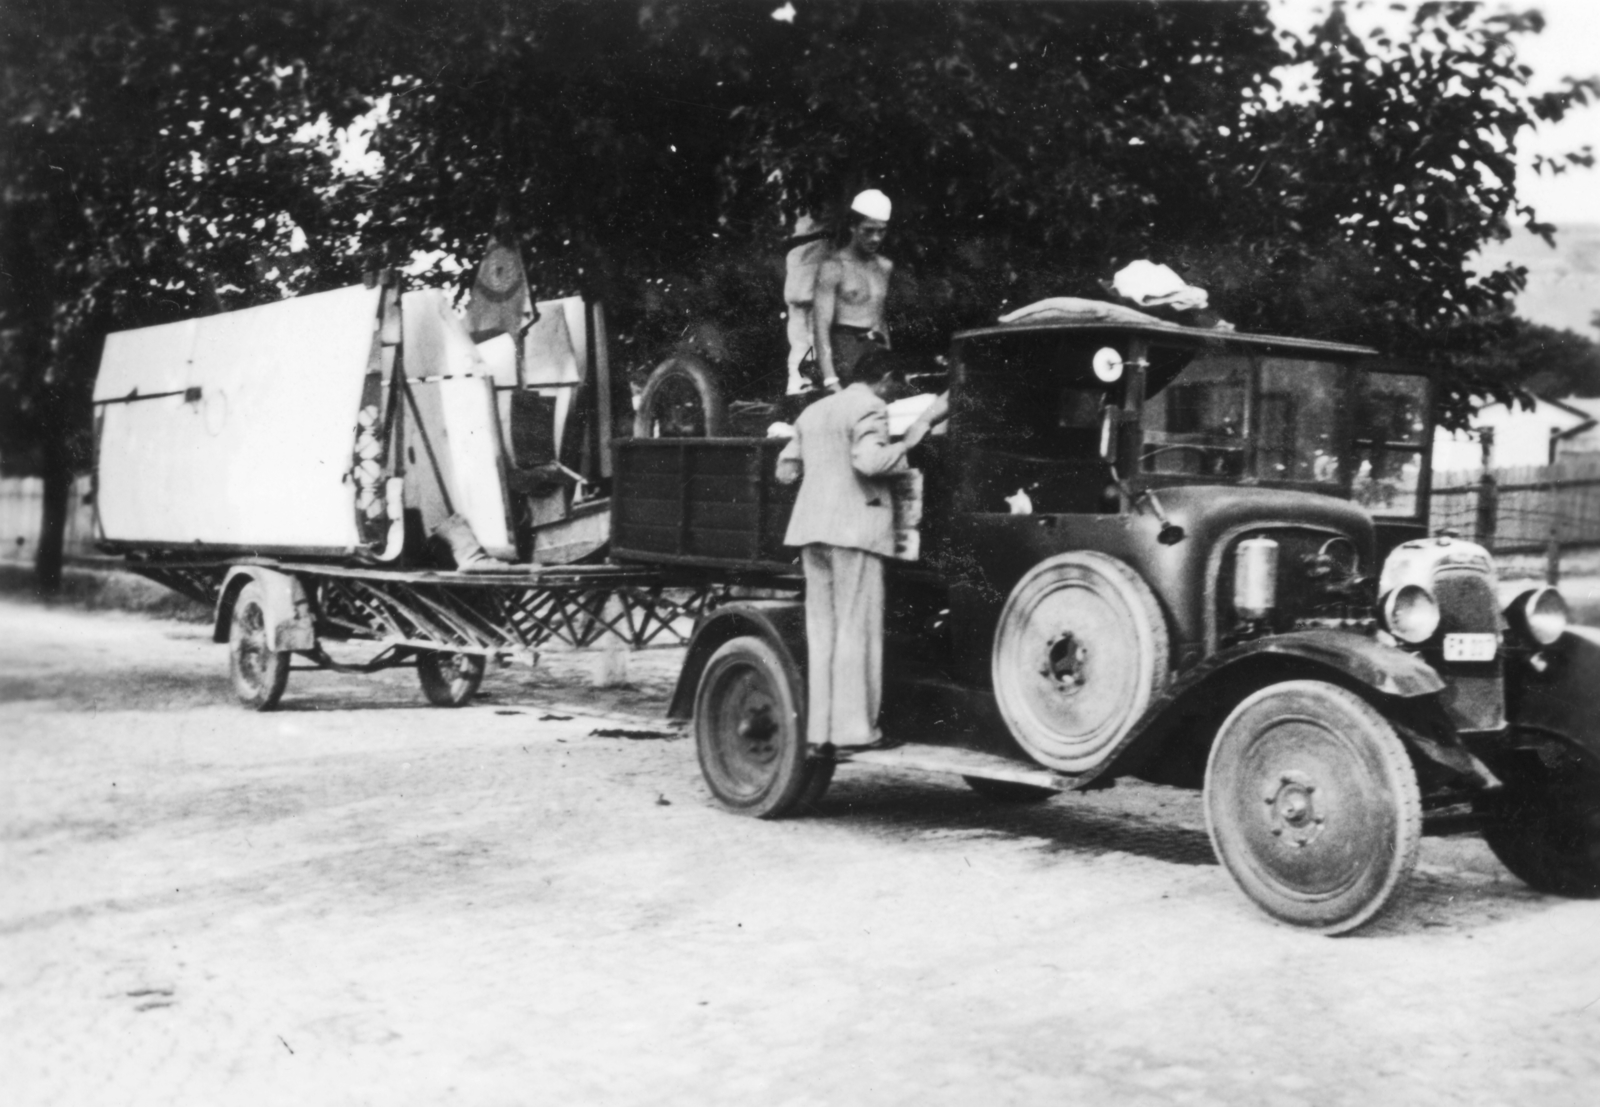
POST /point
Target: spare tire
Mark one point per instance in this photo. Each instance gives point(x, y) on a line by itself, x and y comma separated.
point(682, 399)
point(1079, 653)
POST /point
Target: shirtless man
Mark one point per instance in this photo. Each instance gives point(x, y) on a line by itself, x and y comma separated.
point(852, 285)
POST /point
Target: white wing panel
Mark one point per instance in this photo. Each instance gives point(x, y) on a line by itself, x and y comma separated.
point(259, 456)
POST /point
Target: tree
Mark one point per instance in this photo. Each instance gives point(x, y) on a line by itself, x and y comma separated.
point(154, 167)
point(1388, 181)
point(158, 162)
point(1532, 358)
point(652, 153)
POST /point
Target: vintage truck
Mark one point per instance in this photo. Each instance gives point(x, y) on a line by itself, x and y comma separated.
point(1191, 556)
point(1195, 557)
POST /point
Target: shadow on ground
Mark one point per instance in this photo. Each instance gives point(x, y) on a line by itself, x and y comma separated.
point(1162, 825)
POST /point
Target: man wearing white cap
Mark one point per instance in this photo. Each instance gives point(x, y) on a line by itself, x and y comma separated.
point(852, 285)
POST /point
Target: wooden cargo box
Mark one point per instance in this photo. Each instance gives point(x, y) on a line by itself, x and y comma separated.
point(710, 502)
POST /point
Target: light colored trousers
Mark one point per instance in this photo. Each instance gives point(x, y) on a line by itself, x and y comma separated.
point(844, 637)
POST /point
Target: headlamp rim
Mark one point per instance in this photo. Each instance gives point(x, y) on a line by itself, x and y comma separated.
point(1390, 602)
point(1524, 608)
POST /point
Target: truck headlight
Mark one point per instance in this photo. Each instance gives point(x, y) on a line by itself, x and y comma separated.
point(1540, 614)
point(1411, 614)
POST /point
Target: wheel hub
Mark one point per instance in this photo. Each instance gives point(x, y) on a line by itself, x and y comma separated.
point(1067, 662)
point(1292, 810)
point(756, 728)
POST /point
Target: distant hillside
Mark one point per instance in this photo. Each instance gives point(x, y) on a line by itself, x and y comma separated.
point(1563, 283)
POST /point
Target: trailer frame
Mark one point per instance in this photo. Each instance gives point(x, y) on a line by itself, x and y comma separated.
point(504, 616)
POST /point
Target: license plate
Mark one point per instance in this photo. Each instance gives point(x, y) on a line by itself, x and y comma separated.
point(1469, 647)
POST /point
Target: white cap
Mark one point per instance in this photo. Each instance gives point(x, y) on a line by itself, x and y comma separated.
point(872, 204)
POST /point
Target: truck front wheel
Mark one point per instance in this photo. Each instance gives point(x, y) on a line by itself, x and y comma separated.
point(1312, 805)
point(1545, 825)
point(260, 673)
point(749, 732)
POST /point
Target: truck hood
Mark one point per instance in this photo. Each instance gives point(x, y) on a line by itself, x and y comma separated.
point(1209, 512)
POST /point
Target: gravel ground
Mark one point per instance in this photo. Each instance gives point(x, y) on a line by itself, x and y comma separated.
point(359, 899)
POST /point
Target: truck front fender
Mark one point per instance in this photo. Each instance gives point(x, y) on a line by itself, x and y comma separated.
point(285, 606)
point(1384, 669)
point(1563, 699)
point(1211, 689)
point(782, 623)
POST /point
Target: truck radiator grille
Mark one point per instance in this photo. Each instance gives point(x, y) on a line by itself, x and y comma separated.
point(1474, 696)
point(1467, 602)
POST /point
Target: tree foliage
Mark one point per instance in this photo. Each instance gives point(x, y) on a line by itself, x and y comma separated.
point(1387, 182)
point(159, 161)
point(152, 169)
point(1531, 357)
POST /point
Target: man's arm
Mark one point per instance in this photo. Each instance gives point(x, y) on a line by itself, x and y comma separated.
point(790, 467)
point(871, 452)
point(883, 308)
point(931, 416)
point(829, 274)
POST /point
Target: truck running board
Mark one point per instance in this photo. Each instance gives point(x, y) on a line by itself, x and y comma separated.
point(918, 757)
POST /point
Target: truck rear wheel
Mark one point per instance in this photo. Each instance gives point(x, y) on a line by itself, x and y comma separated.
point(449, 679)
point(260, 673)
point(1312, 805)
point(750, 732)
point(1545, 826)
point(681, 399)
point(1079, 652)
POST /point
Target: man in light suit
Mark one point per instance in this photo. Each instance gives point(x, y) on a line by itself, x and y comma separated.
point(843, 521)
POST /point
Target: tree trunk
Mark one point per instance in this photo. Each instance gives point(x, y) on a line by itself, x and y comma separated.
point(53, 518)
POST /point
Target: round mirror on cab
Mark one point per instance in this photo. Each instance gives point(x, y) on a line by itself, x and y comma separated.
point(1107, 365)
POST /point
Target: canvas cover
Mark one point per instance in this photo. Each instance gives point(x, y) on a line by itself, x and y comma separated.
point(236, 430)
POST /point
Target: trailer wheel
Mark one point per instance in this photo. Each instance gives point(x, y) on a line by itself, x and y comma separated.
point(449, 679)
point(750, 733)
point(1312, 805)
point(682, 399)
point(1545, 826)
point(1008, 791)
point(259, 672)
point(1079, 651)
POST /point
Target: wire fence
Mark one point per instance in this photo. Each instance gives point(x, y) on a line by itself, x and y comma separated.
point(1523, 509)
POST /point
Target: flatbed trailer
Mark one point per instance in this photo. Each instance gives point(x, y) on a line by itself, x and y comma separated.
point(448, 623)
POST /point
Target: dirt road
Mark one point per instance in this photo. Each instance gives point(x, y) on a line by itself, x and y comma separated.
point(359, 899)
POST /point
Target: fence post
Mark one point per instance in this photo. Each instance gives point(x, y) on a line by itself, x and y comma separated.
point(1552, 546)
point(1488, 510)
point(1488, 493)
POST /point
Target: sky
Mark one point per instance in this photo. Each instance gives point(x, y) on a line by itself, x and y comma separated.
point(1568, 46)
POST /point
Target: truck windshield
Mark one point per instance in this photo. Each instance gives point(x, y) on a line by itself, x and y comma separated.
point(1391, 441)
point(1231, 415)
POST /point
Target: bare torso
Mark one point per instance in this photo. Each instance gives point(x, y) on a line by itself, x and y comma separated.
point(862, 288)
